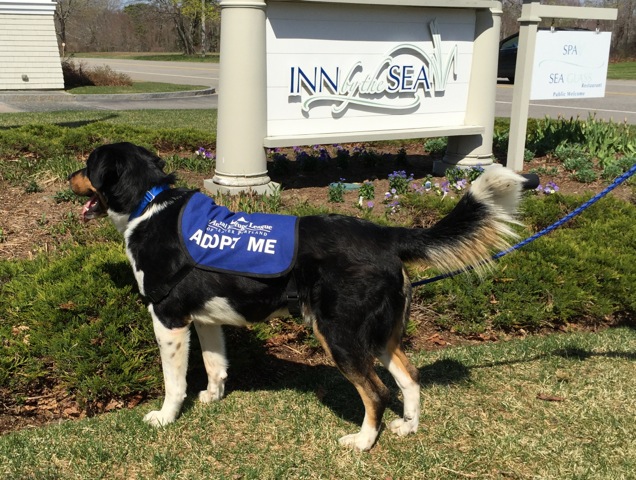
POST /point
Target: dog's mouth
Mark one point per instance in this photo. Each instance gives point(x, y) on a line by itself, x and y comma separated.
point(93, 209)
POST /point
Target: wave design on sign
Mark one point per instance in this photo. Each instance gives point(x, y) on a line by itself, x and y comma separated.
point(389, 83)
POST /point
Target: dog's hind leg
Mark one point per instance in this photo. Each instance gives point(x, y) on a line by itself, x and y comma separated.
point(375, 397)
point(405, 375)
point(213, 350)
point(173, 346)
point(407, 378)
point(357, 367)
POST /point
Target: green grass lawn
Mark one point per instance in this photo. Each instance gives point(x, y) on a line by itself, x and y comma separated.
point(560, 406)
point(151, 119)
point(622, 71)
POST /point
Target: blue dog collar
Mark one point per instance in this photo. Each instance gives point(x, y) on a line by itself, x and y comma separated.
point(148, 197)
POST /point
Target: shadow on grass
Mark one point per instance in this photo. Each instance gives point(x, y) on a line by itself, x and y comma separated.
point(82, 123)
point(121, 274)
point(582, 354)
point(71, 124)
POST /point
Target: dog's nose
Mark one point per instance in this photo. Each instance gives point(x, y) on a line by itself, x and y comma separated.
point(532, 181)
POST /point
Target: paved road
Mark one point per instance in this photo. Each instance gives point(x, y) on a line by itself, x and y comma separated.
point(182, 73)
point(619, 103)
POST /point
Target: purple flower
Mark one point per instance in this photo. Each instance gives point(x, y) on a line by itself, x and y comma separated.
point(548, 189)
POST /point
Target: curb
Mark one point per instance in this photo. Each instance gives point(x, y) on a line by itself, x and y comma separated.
point(63, 97)
point(143, 96)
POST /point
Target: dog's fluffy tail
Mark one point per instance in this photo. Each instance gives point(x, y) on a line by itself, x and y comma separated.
point(479, 223)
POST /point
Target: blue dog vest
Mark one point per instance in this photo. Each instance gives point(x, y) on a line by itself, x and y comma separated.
point(255, 245)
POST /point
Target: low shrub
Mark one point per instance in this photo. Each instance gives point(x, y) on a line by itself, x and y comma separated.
point(436, 146)
point(585, 175)
point(579, 162)
point(77, 74)
point(77, 318)
point(42, 141)
point(566, 151)
point(573, 275)
point(335, 192)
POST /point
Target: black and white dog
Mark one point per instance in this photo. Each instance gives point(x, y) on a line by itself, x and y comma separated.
point(348, 273)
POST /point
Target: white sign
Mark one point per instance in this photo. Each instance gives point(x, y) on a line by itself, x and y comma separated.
point(570, 65)
point(371, 69)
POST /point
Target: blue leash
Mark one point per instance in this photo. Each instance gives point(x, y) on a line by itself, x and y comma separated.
point(543, 232)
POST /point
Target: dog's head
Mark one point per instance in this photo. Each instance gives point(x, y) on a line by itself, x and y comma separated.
point(116, 178)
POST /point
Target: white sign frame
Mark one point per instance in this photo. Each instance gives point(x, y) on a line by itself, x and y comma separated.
point(337, 74)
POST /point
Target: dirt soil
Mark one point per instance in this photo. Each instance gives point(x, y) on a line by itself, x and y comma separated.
point(29, 225)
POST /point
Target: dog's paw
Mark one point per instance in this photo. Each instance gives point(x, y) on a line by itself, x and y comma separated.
point(158, 419)
point(403, 427)
point(207, 396)
point(359, 441)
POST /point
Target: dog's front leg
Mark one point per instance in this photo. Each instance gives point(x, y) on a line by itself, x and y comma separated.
point(213, 350)
point(173, 347)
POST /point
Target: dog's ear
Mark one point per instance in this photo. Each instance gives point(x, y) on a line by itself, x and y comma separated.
point(150, 157)
point(101, 168)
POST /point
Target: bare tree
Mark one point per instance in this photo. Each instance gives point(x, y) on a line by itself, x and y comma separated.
point(183, 24)
point(78, 19)
point(188, 17)
point(194, 25)
point(153, 31)
point(63, 11)
point(624, 31)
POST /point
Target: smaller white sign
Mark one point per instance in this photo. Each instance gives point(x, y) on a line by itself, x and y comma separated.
point(570, 65)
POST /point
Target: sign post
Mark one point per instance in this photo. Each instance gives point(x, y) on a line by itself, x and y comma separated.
point(476, 150)
point(241, 162)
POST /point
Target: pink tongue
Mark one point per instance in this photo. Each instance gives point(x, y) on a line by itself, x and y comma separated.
point(87, 207)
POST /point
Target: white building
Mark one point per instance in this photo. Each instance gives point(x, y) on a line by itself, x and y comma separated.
point(29, 56)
